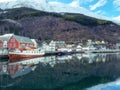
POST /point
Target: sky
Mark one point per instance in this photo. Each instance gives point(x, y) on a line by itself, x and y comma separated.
point(107, 8)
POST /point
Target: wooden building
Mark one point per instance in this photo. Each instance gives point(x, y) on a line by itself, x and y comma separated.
point(12, 41)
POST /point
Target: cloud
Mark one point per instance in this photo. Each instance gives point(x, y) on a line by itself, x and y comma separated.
point(6, 1)
point(116, 18)
point(75, 3)
point(98, 4)
point(116, 4)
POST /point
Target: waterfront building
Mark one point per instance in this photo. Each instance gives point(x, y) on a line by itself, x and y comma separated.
point(12, 41)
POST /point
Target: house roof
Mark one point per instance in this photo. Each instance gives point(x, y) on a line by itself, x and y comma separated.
point(6, 37)
point(21, 39)
point(3, 38)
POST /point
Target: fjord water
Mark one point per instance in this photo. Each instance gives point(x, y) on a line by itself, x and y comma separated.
point(68, 72)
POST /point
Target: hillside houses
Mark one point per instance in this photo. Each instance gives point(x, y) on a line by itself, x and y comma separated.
point(12, 41)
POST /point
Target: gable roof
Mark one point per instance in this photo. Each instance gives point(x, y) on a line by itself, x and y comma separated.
point(21, 39)
point(6, 37)
point(3, 38)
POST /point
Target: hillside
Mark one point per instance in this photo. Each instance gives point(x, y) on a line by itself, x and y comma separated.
point(53, 26)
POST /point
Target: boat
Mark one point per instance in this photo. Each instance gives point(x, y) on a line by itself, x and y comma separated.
point(30, 53)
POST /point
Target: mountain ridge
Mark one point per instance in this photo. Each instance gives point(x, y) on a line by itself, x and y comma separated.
point(44, 5)
point(46, 26)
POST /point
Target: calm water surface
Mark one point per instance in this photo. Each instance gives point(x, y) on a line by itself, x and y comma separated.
point(69, 72)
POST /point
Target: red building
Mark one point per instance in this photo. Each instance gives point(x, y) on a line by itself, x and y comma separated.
point(1, 43)
point(12, 41)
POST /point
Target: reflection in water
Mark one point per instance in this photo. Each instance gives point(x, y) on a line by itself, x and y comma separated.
point(69, 72)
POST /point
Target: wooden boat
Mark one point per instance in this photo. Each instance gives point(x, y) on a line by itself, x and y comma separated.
point(32, 53)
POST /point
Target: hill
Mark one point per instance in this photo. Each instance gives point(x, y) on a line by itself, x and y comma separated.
point(57, 26)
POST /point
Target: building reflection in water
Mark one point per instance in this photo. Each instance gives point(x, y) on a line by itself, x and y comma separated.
point(15, 69)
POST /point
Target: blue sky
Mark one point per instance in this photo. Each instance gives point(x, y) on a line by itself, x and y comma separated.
point(107, 8)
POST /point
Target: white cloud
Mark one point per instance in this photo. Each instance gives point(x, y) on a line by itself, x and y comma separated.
point(73, 8)
point(98, 4)
point(6, 1)
point(75, 3)
point(117, 18)
point(116, 4)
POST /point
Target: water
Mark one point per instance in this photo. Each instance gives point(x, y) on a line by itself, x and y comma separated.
point(69, 72)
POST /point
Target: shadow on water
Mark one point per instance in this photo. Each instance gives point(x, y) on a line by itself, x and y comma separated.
point(81, 85)
point(85, 83)
point(71, 72)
